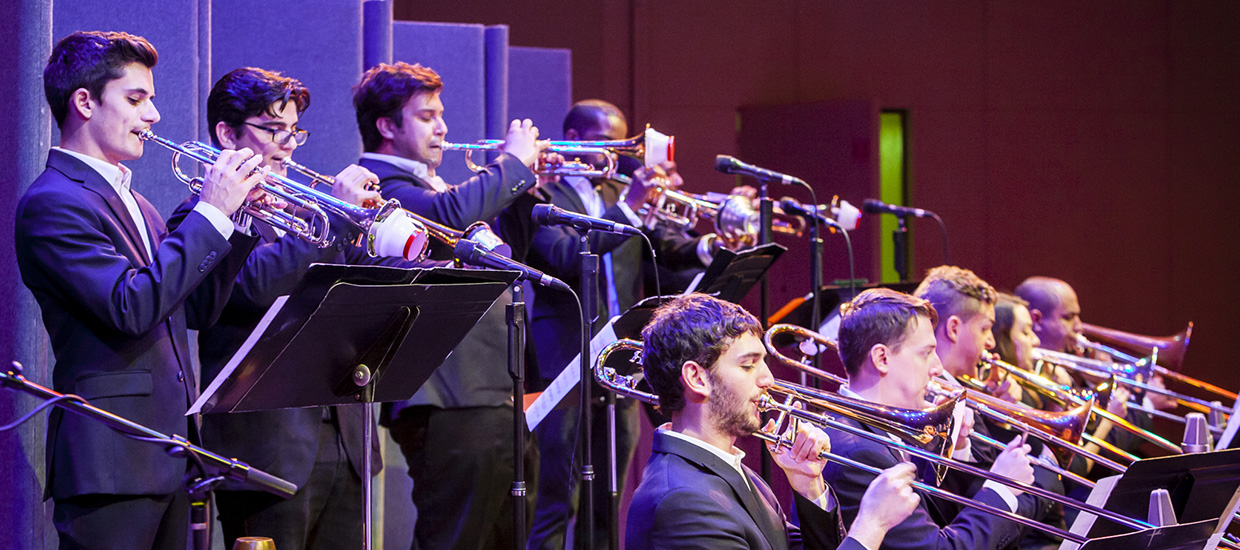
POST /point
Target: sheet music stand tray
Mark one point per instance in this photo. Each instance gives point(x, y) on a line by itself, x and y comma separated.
point(357, 335)
point(1183, 536)
point(1203, 487)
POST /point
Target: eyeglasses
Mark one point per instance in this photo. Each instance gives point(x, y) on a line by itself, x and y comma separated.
point(282, 137)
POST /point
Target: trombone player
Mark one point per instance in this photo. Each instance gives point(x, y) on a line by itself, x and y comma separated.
point(705, 360)
point(888, 346)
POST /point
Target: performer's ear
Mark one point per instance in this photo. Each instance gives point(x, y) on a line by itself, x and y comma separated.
point(696, 381)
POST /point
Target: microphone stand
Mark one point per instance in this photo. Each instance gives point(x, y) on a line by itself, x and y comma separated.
point(213, 468)
point(815, 282)
point(516, 369)
point(899, 241)
point(766, 213)
point(589, 310)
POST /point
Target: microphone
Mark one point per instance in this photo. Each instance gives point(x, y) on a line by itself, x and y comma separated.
point(730, 165)
point(1197, 438)
point(875, 206)
point(473, 253)
point(546, 214)
point(792, 206)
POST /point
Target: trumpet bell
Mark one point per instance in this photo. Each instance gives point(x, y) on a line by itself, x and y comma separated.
point(1171, 349)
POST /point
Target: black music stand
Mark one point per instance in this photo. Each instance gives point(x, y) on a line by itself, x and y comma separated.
point(1183, 536)
point(799, 311)
point(732, 275)
point(355, 335)
point(1202, 486)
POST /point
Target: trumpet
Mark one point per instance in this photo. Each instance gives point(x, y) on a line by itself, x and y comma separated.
point(479, 232)
point(388, 232)
point(652, 147)
point(735, 219)
point(900, 421)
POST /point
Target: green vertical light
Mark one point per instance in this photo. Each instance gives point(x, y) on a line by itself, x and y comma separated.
point(891, 184)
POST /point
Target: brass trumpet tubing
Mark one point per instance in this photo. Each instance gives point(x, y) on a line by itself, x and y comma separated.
point(568, 168)
point(768, 338)
point(827, 421)
point(1050, 438)
point(1111, 448)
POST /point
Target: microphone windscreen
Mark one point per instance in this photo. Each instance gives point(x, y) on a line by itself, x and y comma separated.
point(542, 213)
point(724, 163)
point(873, 206)
point(1196, 434)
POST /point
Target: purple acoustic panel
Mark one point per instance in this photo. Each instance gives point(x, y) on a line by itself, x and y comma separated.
point(540, 87)
point(457, 53)
point(322, 50)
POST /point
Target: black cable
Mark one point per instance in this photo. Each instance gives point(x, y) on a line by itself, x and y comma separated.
point(39, 408)
point(572, 456)
point(654, 260)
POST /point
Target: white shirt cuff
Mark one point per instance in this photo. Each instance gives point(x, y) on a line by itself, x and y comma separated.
point(630, 214)
point(221, 222)
point(825, 501)
point(706, 248)
point(1004, 493)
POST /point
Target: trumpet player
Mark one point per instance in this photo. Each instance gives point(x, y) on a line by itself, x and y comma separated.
point(118, 291)
point(319, 448)
point(888, 346)
point(400, 115)
point(556, 323)
point(705, 360)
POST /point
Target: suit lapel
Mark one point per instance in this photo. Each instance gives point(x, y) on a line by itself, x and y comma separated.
point(94, 182)
point(759, 511)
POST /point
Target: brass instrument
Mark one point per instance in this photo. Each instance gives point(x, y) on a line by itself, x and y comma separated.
point(652, 147)
point(479, 232)
point(1065, 397)
point(735, 219)
point(1064, 429)
point(388, 232)
point(627, 386)
point(1167, 352)
point(1128, 374)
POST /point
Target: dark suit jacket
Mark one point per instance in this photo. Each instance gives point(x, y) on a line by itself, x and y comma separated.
point(284, 442)
point(970, 529)
point(690, 498)
point(476, 373)
point(554, 250)
point(118, 322)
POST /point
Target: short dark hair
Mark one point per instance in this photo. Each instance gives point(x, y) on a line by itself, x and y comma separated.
point(956, 291)
point(249, 92)
point(878, 316)
point(1005, 317)
point(694, 327)
point(584, 114)
point(383, 92)
point(90, 59)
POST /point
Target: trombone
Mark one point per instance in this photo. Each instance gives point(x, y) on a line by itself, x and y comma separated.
point(479, 232)
point(1127, 374)
point(652, 147)
point(387, 231)
point(900, 421)
point(1062, 430)
point(1167, 352)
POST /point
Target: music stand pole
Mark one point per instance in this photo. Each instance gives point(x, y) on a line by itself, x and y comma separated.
point(766, 215)
point(589, 309)
point(516, 369)
point(815, 282)
point(899, 242)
